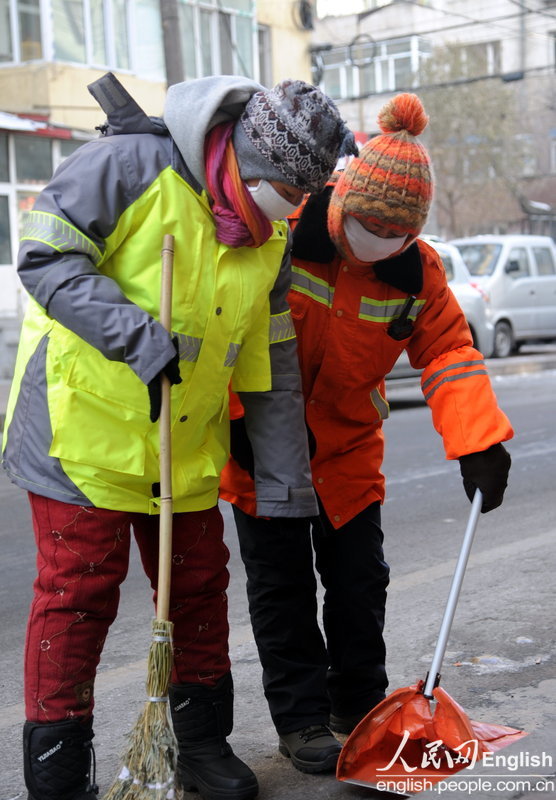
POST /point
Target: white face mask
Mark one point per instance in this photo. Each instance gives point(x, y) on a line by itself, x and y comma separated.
point(271, 203)
point(367, 246)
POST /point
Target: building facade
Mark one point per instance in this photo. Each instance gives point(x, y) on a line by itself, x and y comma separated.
point(486, 73)
point(50, 50)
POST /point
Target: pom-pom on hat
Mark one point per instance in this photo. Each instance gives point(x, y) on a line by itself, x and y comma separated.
point(390, 182)
point(292, 133)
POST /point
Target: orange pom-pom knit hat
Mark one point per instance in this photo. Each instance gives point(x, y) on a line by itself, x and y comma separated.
point(390, 181)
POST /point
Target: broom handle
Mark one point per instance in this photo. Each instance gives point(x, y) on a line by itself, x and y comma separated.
point(166, 511)
point(453, 596)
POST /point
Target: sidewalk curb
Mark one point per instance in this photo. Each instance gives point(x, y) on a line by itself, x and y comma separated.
point(521, 365)
point(517, 365)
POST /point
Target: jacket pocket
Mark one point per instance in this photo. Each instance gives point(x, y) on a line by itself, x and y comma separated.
point(99, 410)
point(93, 430)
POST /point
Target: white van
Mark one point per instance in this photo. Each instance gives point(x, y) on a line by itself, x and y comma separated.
point(474, 303)
point(518, 273)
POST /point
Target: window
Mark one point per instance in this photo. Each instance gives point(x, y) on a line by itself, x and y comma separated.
point(26, 165)
point(145, 40)
point(186, 15)
point(62, 148)
point(4, 164)
point(99, 54)
point(480, 259)
point(526, 156)
point(33, 159)
point(225, 44)
point(479, 59)
point(544, 260)
point(448, 266)
point(244, 44)
point(6, 48)
point(219, 37)
point(29, 20)
point(119, 27)
point(517, 265)
point(370, 67)
point(97, 32)
point(25, 203)
point(20, 30)
point(69, 30)
point(113, 34)
point(477, 161)
point(5, 244)
point(328, 68)
point(265, 53)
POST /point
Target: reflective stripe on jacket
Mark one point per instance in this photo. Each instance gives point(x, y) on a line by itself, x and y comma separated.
point(77, 426)
point(342, 317)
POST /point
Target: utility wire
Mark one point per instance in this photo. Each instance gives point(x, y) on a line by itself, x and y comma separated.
point(457, 26)
point(533, 10)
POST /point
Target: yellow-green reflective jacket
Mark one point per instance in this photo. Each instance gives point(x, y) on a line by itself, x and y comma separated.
point(77, 426)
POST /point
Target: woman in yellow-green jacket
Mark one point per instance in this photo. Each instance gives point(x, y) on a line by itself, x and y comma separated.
point(226, 161)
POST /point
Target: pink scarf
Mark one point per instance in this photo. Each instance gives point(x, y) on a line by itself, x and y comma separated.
point(239, 221)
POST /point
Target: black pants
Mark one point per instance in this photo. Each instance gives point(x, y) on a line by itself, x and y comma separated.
point(304, 677)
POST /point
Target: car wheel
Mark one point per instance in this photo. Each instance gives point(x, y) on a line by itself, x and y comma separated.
point(503, 340)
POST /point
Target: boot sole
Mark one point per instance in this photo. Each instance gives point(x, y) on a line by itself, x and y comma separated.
point(310, 767)
point(190, 783)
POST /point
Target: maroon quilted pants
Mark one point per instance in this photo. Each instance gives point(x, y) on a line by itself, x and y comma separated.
point(83, 556)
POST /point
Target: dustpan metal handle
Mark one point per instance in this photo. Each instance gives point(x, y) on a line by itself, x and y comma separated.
point(453, 596)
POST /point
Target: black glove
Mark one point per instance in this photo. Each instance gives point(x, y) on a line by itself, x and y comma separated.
point(240, 446)
point(487, 471)
point(172, 372)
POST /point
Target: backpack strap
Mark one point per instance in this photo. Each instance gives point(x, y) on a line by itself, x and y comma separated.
point(124, 115)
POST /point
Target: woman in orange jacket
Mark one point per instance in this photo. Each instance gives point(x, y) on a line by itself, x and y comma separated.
point(364, 288)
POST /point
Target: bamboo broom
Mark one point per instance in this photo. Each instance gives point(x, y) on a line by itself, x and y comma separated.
point(149, 762)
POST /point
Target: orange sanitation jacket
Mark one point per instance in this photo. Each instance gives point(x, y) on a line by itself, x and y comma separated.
point(345, 321)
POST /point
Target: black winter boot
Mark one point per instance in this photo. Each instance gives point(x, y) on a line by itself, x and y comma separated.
point(202, 717)
point(59, 760)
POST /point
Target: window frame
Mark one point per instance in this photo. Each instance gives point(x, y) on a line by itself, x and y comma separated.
point(210, 63)
point(380, 67)
point(13, 188)
point(523, 252)
point(540, 263)
point(134, 61)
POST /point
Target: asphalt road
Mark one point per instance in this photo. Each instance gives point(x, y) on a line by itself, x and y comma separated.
point(499, 663)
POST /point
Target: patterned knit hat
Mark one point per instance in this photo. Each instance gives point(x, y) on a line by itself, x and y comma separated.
point(292, 133)
point(390, 182)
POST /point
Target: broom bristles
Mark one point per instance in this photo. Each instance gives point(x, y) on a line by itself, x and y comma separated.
point(149, 762)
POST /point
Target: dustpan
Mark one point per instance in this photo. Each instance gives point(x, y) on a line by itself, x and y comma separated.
point(419, 736)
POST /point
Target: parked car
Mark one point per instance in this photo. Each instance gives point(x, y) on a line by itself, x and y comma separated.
point(474, 304)
point(518, 273)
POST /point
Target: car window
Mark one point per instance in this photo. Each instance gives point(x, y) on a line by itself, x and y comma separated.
point(480, 259)
point(517, 263)
point(544, 260)
point(448, 265)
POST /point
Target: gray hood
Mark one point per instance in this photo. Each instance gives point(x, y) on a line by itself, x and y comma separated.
point(194, 107)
